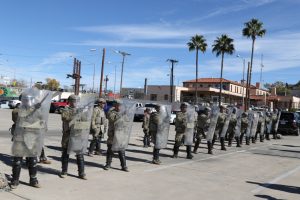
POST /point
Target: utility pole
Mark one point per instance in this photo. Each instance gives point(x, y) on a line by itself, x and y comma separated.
point(106, 80)
point(248, 89)
point(76, 75)
point(261, 68)
point(123, 60)
point(145, 89)
point(172, 61)
point(102, 69)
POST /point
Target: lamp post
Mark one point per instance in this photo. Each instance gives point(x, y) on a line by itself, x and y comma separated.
point(243, 81)
point(123, 54)
point(172, 61)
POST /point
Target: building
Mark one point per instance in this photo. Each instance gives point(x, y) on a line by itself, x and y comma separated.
point(163, 93)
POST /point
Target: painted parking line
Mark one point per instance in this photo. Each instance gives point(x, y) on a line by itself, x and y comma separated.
point(275, 180)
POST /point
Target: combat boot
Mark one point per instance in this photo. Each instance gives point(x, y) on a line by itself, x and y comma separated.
point(32, 172)
point(80, 165)
point(274, 136)
point(145, 142)
point(16, 170)
point(43, 158)
point(209, 147)
point(109, 155)
point(230, 142)
point(261, 138)
point(64, 163)
point(253, 140)
point(247, 140)
point(122, 158)
point(241, 139)
point(156, 157)
point(197, 143)
point(98, 146)
point(92, 147)
point(222, 140)
point(237, 139)
point(267, 136)
point(148, 141)
point(189, 152)
point(175, 151)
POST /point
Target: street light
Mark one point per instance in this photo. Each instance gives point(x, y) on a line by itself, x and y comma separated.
point(123, 54)
point(243, 80)
point(115, 75)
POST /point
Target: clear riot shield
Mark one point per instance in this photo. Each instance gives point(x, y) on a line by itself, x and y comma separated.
point(237, 130)
point(250, 121)
point(213, 122)
point(269, 126)
point(163, 127)
point(254, 124)
point(80, 124)
point(226, 123)
point(123, 125)
point(262, 126)
point(189, 131)
point(277, 123)
point(28, 139)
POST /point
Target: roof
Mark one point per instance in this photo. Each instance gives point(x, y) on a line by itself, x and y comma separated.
point(213, 80)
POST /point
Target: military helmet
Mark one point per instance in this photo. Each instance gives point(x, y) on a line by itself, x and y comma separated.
point(183, 105)
point(73, 98)
point(27, 99)
point(101, 100)
point(207, 109)
point(117, 102)
point(245, 114)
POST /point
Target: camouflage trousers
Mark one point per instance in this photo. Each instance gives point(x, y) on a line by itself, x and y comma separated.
point(178, 138)
point(200, 134)
point(65, 139)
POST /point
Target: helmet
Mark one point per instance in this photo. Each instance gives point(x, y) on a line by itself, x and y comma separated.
point(27, 100)
point(183, 105)
point(101, 100)
point(234, 110)
point(117, 102)
point(245, 114)
point(73, 98)
point(207, 110)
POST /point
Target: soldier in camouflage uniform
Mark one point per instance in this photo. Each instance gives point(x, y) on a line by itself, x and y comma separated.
point(231, 126)
point(274, 122)
point(113, 115)
point(244, 125)
point(31, 111)
point(145, 126)
point(153, 126)
point(219, 128)
point(180, 127)
point(67, 116)
point(203, 121)
point(98, 127)
point(259, 128)
point(268, 121)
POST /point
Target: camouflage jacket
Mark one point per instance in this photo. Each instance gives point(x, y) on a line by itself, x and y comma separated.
point(244, 124)
point(181, 122)
point(232, 123)
point(112, 116)
point(221, 121)
point(153, 122)
point(99, 121)
point(202, 121)
point(146, 121)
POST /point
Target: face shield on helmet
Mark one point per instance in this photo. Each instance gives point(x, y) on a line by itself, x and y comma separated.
point(74, 100)
point(27, 100)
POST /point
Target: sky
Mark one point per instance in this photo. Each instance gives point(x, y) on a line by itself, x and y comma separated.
point(39, 39)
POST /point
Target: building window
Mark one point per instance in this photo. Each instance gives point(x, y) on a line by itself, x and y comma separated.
point(153, 97)
point(201, 85)
point(230, 88)
point(166, 97)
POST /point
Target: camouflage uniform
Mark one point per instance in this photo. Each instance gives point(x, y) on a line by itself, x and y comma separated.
point(68, 114)
point(274, 122)
point(202, 126)
point(153, 127)
point(98, 128)
point(260, 128)
point(145, 126)
point(219, 128)
point(268, 121)
point(113, 115)
point(231, 128)
point(31, 115)
point(244, 126)
point(180, 128)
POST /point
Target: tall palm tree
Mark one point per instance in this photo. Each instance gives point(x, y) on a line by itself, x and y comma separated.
point(222, 45)
point(253, 29)
point(197, 42)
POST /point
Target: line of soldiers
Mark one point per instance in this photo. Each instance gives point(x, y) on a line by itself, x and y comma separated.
point(81, 118)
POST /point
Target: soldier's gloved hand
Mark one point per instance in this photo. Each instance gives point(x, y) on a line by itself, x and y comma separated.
point(38, 105)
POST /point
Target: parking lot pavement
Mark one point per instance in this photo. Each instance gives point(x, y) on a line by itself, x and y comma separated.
point(269, 170)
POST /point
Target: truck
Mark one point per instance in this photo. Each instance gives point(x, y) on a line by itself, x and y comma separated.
point(57, 106)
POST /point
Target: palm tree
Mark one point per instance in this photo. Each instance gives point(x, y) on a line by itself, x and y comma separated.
point(253, 29)
point(222, 45)
point(197, 42)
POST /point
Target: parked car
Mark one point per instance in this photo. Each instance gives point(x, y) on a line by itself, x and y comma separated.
point(173, 116)
point(57, 106)
point(289, 123)
point(14, 103)
point(4, 104)
point(139, 112)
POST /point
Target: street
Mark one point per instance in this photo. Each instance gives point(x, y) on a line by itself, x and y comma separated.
point(269, 170)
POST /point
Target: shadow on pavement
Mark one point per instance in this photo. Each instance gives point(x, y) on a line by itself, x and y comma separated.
point(279, 187)
point(71, 160)
point(267, 197)
point(146, 152)
point(284, 150)
point(278, 155)
point(286, 145)
point(57, 148)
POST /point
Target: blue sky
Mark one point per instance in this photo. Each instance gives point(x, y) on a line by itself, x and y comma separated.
point(39, 38)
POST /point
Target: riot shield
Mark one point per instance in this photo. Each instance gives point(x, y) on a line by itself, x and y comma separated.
point(254, 124)
point(28, 139)
point(250, 121)
point(263, 121)
point(277, 123)
point(213, 122)
point(237, 132)
point(189, 131)
point(269, 126)
point(163, 127)
point(226, 123)
point(123, 125)
point(80, 125)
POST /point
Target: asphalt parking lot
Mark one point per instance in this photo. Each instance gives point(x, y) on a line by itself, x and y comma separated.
point(269, 170)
